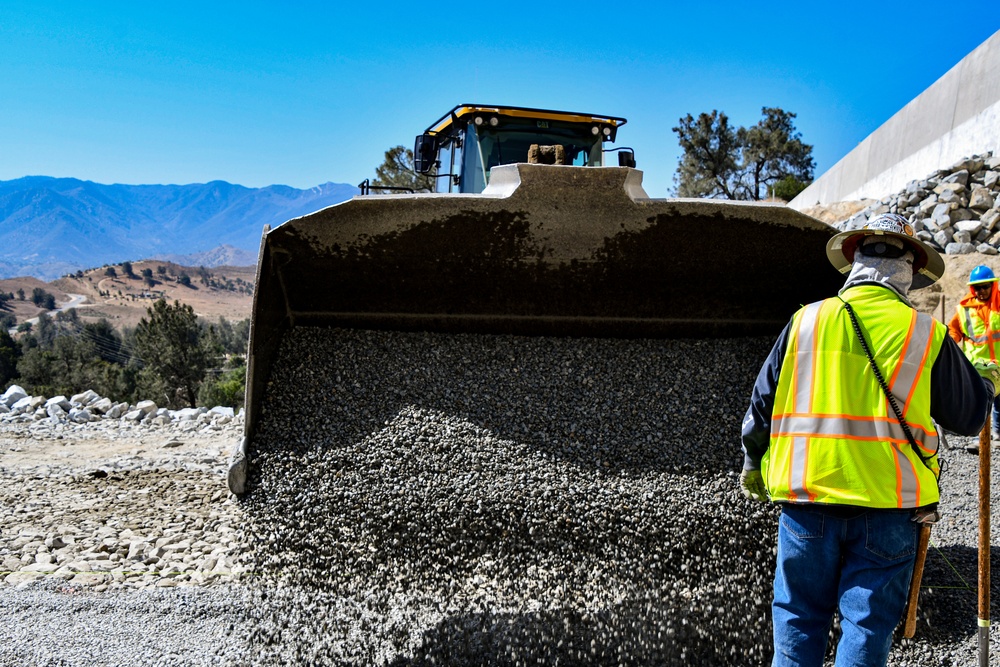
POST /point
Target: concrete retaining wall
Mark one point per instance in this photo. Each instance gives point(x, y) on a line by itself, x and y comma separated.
point(957, 116)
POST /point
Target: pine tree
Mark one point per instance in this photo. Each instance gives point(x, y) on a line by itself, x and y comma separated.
point(720, 161)
point(397, 172)
point(174, 356)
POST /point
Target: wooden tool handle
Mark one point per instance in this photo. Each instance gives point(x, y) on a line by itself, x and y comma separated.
point(984, 522)
point(918, 574)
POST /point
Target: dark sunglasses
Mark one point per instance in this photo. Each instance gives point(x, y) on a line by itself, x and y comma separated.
point(882, 249)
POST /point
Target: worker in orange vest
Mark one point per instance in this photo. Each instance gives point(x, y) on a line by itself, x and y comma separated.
point(976, 326)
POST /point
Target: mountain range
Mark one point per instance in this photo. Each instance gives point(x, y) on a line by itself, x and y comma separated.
point(53, 226)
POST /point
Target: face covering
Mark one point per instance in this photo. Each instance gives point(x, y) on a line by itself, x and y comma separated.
point(894, 273)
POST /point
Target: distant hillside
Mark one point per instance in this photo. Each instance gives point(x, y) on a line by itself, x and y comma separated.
point(224, 255)
point(110, 293)
point(54, 226)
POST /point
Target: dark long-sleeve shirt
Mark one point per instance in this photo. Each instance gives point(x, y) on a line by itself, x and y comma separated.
point(960, 398)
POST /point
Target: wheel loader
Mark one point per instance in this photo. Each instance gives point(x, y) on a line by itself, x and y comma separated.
point(531, 233)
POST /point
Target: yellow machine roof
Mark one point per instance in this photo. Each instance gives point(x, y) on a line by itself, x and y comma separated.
point(462, 110)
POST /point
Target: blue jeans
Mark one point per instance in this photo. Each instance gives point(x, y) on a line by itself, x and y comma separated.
point(853, 560)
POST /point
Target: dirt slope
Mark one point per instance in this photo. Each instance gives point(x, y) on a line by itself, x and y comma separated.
point(123, 300)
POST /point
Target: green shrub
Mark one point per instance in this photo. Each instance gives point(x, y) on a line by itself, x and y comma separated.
point(788, 188)
point(227, 391)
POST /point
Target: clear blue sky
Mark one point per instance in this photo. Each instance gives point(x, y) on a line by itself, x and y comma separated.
point(302, 93)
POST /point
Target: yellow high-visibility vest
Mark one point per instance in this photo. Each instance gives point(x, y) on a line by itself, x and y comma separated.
point(981, 338)
point(834, 437)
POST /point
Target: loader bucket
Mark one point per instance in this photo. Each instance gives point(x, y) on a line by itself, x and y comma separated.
point(545, 250)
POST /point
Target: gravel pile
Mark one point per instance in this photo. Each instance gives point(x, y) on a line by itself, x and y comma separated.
point(461, 498)
point(422, 499)
point(51, 624)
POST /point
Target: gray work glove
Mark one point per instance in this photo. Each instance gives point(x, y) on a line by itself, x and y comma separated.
point(927, 516)
point(990, 371)
point(752, 485)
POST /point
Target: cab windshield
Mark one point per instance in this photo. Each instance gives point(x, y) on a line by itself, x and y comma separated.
point(487, 147)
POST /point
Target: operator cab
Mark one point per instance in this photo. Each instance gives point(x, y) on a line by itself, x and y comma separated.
point(463, 145)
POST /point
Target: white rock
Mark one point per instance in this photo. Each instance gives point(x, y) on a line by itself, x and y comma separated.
point(959, 248)
point(21, 404)
point(943, 237)
point(55, 412)
point(981, 199)
point(40, 567)
point(13, 394)
point(990, 219)
point(85, 398)
point(136, 549)
point(61, 401)
point(942, 215)
point(959, 176)
point(21, 577)
point(188, 414)
point(55, 542)
point(973, 227)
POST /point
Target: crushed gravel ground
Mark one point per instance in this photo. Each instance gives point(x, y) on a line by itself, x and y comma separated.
point(421, 500)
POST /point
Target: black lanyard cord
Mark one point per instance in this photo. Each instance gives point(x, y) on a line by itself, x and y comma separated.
point(885, 386)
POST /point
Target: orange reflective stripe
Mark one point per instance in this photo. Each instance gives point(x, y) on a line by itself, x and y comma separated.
point(916, 350)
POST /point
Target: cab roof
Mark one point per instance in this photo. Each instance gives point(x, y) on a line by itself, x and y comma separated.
point(443, 124)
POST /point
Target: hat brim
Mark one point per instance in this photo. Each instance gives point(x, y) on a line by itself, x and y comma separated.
point(928, 265)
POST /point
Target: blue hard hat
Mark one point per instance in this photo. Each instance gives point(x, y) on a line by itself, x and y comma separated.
point(981, 274)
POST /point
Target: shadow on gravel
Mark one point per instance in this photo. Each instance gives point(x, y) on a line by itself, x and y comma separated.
point(611, 636)
point(949, 603)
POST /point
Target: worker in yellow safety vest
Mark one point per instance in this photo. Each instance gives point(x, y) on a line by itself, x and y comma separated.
point(976, 325)
point(841, 433)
